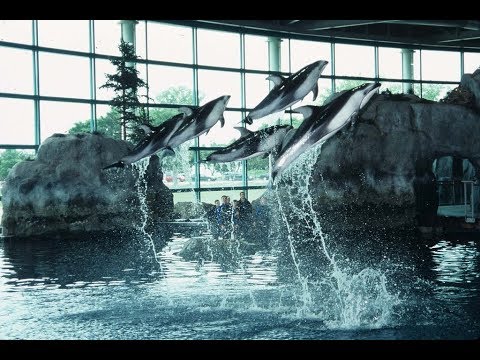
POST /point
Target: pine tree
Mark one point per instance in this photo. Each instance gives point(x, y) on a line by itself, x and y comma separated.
point(126, 83)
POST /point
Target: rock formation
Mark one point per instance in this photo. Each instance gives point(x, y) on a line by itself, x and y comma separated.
point(64, 191)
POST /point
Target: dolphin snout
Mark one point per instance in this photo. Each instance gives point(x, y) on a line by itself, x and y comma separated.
point(225, 99)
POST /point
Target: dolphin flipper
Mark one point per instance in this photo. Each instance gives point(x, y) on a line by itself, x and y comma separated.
point(222, 121)
point(186, 110)
point(315, 91)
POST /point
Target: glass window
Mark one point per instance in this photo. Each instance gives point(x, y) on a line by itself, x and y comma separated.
point(256, 52)
point(471, 62)
point(397, 88)
point(18, 31)
point(169, 43)
point(64, 75)
point(218, 83)
point(64, 34)
point(307, 52)
point(285, 56)
point(436, 92)
point(217, 48)
point(140, 40)
point(210, 196)
point(102, 68)
point(18, 122)
point(107, 37)
point(218, 136)
point(59, 117)
point(220, 174)
point(170, 85)
point(258, 171)
point(354, 60)
point(16, 71)
point(256, 89)
point(179, 170)
point(440, 65)
point(188, 196)
point(8, 159)
point(390, 63)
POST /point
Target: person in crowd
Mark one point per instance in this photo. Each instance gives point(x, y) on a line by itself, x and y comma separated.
point(244, 215)
point(226, 218)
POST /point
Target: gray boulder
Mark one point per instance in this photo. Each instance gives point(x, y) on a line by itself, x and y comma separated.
point(65, 191)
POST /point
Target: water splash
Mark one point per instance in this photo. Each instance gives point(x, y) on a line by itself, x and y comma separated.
point(343, 298)
point(141, 186)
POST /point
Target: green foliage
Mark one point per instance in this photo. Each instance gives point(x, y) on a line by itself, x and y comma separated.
point(8, 159)
point(107, 125)
point(126, 83)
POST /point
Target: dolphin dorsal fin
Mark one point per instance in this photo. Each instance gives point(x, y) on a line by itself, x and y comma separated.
point(243, 131)
point(276, 79)
point(147, 129)
point(306, 111)
point(186, 110)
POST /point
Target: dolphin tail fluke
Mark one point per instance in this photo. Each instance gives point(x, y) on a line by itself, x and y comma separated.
point(248, 120)
point(119, 164)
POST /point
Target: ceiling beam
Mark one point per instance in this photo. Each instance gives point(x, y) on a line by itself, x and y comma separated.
point(463, 24)
point(318, 25)
point(453, 37)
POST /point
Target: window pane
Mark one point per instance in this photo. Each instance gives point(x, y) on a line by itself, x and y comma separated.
point(18, 122)
point(257, 88)
point(285, 55)
point(256, 52)
point(140, 41)
point(169, 43)
point(19, 31)
point(390, 63)
point(218, 83)
point(258, 171)
point(218, 48)
point(108, 122)
point(218, 136)
point(10, 158)
point(307, 52)
point(64, 75)
point(397, 88)
point(210, 196)
point(354, 60)
point(16, 71)
point(59, 117)
point(170, 85)
point(440, 65)
point(178, 170)
point(64, 34)
point(102, 68)
point(471, 62)
point(107, 37)
point(436, 92)
point(220, 174)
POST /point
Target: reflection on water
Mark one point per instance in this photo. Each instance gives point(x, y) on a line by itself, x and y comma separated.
point(115, 289)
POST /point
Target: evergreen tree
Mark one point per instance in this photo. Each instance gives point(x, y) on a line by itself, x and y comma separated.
point(126, 83)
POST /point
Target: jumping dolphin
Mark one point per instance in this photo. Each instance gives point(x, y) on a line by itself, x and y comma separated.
point(288, 91)
point(200, 120)
point(252, 144)
point(322, 122)
point(156, 138)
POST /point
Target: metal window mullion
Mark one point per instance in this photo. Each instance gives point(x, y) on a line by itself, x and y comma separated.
point(196, 100)
point(36, 83)
point(376, 60)
point(93, 88)
point(462, 64)
point(146, 69)
point(332, 66)
point(243, 105)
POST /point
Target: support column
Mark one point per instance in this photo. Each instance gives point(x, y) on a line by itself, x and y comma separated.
point(274, 59)
point(407, 70)
point(274, 62)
